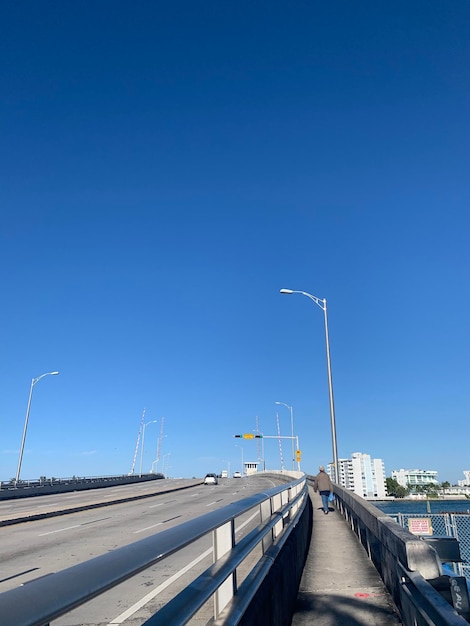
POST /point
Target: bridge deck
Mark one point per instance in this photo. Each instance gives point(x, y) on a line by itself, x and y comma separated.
point(340, 586)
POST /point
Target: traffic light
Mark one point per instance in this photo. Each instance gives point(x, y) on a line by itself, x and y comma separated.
point(238, 436)
point(298, 454)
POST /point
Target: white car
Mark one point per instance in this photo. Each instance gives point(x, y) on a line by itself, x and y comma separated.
point(237, 474)
point(211, 479)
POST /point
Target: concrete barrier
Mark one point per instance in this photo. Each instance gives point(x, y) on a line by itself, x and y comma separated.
point(274, 602)
point(408, 565)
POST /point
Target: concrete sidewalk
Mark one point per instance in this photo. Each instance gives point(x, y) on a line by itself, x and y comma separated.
point(340, 586)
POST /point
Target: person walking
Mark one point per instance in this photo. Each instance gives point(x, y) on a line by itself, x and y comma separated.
point(323, 484)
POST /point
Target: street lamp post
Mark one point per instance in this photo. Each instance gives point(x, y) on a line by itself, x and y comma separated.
point(322, 305)
point(20, 458)
point(243, 460)
point(165, 464)
point(292, 429)
point(228, 465)
point(262, 449)
point(143, 439)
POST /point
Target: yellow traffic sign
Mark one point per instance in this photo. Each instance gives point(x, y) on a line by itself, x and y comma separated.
point(248, 436)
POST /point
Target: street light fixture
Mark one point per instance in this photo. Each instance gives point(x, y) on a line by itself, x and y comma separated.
point(322, 305)
point(20, 458)
point(143, 438)
point(292, 429)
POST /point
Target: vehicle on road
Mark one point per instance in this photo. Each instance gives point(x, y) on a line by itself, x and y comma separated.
point(211, 479)
point(224, 474)
point(237, 474)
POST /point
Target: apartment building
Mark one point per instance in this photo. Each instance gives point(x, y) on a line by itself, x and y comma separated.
point(415, 477)
point(466, 482)
point(362, 475)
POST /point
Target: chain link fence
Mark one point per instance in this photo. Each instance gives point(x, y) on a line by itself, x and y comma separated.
point(445, 525)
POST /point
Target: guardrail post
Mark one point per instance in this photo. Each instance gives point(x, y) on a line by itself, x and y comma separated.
point(277, 502)
point(265, 513)
point(223, 539)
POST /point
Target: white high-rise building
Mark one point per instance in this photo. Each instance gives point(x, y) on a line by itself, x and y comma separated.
point(415, 477)
point(362, 475)
point(466, 482)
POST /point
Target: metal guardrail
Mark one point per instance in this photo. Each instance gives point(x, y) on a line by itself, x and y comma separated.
point(422, 605)
point(45, 599)
point(447, 525)
point(26, 483)
point(409, 567)
point(49, 486)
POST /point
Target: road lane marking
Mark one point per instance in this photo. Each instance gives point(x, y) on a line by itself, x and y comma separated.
point(165, 521)
point(143, 601)
point(214, 502)
point(150, 596)
point(245, 523)
point(95, 521)
point(161, 504)
point(142, 530)
point(60, 530)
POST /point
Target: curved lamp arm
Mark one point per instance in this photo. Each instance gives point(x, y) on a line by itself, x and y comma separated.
point(322, 304)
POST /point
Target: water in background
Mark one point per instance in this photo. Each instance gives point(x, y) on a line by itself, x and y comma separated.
point(392, 507)
point(448, 517)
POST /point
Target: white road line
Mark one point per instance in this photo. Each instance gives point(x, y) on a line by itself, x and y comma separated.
point(155, 505)
point(142, 530)
point(138, 605)
point(61, 530)
point(247, 521)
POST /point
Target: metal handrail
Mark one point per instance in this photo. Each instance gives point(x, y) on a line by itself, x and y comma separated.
point(406, 564)
point(427, 603)
point(42, 600)
point(186, 604)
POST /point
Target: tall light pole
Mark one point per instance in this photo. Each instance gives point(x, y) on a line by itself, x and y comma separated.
point(228, 465)
point(292, 429)
point(165, 464)
point(143, 438)
point(262, 448)
point(322, 305)
point(243, 460)
point(20, 458)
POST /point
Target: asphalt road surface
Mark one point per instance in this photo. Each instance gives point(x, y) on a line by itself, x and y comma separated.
point(37, 548)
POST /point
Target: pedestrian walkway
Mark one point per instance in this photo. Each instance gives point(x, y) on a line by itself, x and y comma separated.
point(340, 586)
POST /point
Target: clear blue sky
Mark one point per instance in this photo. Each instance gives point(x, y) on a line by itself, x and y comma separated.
point(166, 168)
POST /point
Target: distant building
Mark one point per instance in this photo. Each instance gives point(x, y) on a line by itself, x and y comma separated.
point(362, 475)
point(466, 482)
point(415, 477)
point(250, 467)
